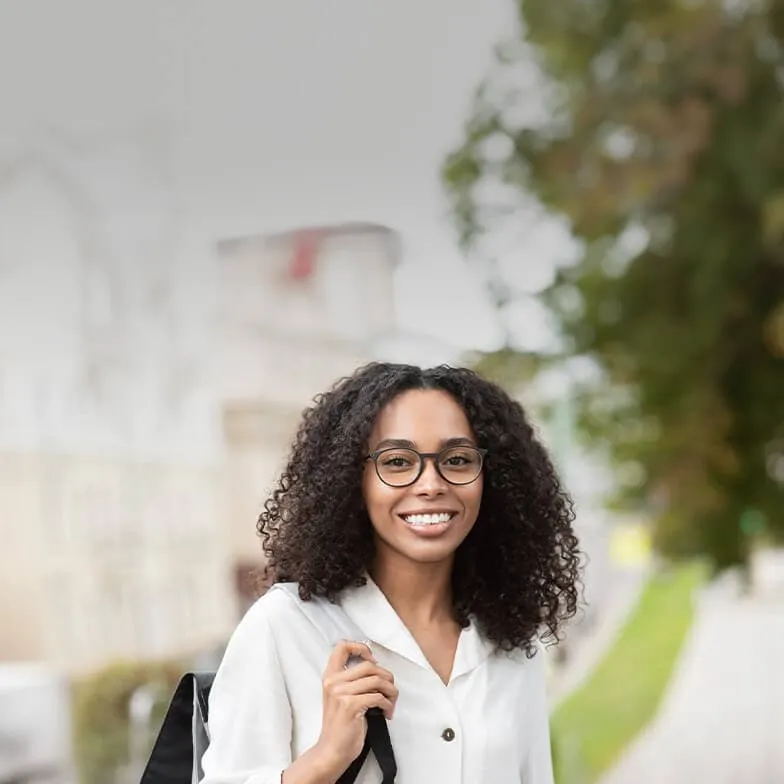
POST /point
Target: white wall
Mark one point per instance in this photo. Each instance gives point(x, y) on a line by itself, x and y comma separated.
point(102, 349)
point(110, 424)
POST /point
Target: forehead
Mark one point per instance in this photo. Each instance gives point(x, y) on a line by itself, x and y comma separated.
point(424, 416)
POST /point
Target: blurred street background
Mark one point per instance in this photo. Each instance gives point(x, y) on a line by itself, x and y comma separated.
point(209, 212)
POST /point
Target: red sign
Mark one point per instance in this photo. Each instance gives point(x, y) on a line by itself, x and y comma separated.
point(303, 260)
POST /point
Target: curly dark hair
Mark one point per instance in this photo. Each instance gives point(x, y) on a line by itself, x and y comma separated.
point(518, 570)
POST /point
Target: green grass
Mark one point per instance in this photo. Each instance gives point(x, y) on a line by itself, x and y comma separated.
point(595, 723)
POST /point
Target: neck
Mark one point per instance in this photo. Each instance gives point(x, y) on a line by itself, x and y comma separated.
point(419, 593)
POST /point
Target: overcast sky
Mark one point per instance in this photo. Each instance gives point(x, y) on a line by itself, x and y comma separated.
point(286, 112)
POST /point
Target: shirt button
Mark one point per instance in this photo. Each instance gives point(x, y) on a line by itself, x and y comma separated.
point(448, 734)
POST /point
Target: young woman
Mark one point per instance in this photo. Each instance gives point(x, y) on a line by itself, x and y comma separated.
point(421, 502)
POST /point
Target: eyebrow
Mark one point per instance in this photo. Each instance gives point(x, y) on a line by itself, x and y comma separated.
point(406, 444)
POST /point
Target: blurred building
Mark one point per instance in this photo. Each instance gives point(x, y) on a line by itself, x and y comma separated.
point(110, 446)
point(150, 378)
point(298, 310)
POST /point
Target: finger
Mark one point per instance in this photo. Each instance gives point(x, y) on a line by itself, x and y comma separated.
point(333, 681)
point(364, 669)
point(366, 686)
point(343, 650)
point(361, 704)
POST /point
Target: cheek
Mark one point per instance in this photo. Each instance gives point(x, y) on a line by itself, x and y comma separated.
point(471, 495)
point(378, 496)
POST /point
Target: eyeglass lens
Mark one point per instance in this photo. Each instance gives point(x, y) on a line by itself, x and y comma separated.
point(458, 465)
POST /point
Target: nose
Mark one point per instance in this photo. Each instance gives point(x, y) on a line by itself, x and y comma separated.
point(430, 482)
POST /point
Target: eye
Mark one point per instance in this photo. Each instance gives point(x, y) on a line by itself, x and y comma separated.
point(398, 460)
point(459, 458)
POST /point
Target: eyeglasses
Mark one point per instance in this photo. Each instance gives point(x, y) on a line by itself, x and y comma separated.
point(401, 467)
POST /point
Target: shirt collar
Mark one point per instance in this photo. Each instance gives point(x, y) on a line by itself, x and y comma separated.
point(369, 609)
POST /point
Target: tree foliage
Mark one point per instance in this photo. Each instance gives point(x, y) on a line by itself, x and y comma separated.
point(663, 145)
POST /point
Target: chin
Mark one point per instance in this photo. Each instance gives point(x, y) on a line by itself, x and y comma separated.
point(430, 558)
point(422, 553)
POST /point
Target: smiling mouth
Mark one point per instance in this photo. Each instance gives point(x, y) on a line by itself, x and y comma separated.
point(437, 518)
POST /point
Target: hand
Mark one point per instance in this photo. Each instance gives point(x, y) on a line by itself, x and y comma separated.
point(349, 690)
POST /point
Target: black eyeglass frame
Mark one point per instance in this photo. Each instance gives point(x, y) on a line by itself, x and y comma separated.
point(428, 455)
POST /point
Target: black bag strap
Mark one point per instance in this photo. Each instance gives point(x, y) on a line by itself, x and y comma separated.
point(377, 740)
point(183, 735)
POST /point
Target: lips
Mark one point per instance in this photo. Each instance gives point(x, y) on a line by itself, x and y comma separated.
point(428, 525)
point(427, 519)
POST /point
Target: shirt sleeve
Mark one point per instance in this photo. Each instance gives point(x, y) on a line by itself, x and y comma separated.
point(538, 765)
point(250, 721)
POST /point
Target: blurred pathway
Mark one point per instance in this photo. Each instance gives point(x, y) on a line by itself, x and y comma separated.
point(722, 720)
point(587, 643)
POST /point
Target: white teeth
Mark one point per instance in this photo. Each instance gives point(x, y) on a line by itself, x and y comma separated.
point(428, 519)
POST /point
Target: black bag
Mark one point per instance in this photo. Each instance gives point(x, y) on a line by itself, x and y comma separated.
point(184, 735)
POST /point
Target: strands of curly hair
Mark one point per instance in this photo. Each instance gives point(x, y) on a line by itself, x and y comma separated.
point(517, 573)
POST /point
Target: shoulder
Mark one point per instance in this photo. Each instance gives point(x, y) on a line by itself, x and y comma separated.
point(531, 667)
point(271, 619)
point(275, 609)
point(278, 600)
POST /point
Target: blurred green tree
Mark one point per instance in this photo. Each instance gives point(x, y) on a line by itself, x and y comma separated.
point(656, 127)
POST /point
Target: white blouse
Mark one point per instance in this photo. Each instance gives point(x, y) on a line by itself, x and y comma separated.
point(488, 724)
